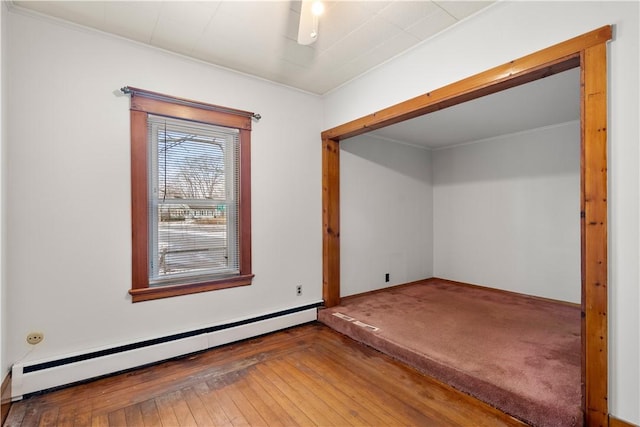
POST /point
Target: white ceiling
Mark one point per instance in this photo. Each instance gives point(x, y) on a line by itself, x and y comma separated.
point(259, 37)
point(544, 102)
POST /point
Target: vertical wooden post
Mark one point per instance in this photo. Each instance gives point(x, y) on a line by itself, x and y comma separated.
point(331, 222)
point(594, 233)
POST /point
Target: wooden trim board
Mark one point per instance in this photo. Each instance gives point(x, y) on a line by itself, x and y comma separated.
point(616, 422)
point(588, 52)
point(330, 222)
point(593, 207)
point(501, 291)
point(5, 397)
point(552, 60)
point(431, 280)
point(375, 291)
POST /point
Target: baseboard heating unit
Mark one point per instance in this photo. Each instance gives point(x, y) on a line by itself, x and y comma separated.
point(35, 376)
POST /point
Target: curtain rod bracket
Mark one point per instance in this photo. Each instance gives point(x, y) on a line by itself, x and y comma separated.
point(256, 116)
point(125, 90)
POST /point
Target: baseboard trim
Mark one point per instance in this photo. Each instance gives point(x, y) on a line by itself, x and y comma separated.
point(431, 280)
point(37, 376)
point(375, 291)
point(616, 422)
point(5, 397)
point(502, 291)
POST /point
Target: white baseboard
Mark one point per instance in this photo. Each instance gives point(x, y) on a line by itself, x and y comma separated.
point(42, 379)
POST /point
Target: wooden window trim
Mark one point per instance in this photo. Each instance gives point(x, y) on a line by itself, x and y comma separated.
point(144, 103)
point(145, 294)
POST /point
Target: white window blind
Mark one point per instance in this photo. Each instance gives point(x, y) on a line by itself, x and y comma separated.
point(193, 200)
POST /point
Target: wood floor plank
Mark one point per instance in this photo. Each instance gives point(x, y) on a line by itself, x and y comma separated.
point(133, 414)
point(102, 420)
point(49, 417)
point(214, 408)
point(246, 405)
point(149, 412)
point(270, 410)
point(341, 403)
point(197, 407)
point(118, 418)
point(357, 387)
point(66, 416)
point(252, 410)
point(377, 392)
point(181, 409)
point(31, 416)
point(319, 412)
point(16, 415)
point(281, 399)
point(165, 411)
point(305, 376)
point(220, 392)
point(82, 419)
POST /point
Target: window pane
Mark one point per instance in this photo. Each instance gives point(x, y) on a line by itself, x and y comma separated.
point(192, 239)
point(190, 166)
point(193, 200)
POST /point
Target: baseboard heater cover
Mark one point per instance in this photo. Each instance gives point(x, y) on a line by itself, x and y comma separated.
point(38, 376)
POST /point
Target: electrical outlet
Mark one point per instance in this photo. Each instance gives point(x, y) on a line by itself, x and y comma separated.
point(35, 338)
point(386, 277)
point(299, 290)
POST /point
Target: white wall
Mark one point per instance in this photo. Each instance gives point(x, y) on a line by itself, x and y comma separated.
point(68, 205)
point(4, 363)
point(507, 212)
point(496, 36)
point(386, 221)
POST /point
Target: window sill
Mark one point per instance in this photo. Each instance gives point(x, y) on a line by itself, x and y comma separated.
point(146, 294)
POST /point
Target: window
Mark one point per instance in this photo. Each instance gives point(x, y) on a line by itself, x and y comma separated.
point(190, 187)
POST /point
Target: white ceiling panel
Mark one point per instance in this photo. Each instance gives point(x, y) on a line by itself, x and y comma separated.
point(406, 14)
point(362, 40)
point(431, 24)
point(339, 20)
point(196, 14)
point(389, 48)
point(259, 37)
point(90, 14)
point(134, 20)
point(174, 36)
point(377, 5)
point(462, 9)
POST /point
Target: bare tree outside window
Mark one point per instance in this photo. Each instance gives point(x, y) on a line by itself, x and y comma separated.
point(191, 166)
point(201, 177)
point(192, 230)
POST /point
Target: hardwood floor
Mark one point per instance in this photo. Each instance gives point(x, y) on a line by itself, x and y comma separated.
point(308, 375)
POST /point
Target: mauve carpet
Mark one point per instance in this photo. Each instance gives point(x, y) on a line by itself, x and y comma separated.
point(519, 354)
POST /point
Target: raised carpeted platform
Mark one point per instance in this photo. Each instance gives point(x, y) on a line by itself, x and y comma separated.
point(519, 354)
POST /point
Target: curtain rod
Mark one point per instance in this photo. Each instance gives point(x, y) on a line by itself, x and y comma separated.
point(128, 90)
